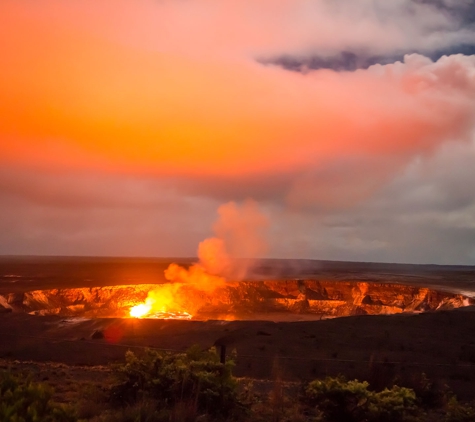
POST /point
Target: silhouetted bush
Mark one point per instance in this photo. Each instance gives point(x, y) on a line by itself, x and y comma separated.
point(431, 394)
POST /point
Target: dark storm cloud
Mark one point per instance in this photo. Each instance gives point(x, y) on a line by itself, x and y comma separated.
point(435, 28)
point(341, 61)
point(463, 11)
point(350, 61)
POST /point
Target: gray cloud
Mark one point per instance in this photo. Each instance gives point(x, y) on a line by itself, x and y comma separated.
point(424, 215)
point(433, 28)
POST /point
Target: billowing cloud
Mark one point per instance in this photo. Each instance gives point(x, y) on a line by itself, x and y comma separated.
point(240, 239)
point(130, 107)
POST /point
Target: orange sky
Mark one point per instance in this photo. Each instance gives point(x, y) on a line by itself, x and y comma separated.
point(80, 97)
point(176, 91)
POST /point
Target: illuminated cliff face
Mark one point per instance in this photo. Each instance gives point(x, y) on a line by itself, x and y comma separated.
point(299, 299)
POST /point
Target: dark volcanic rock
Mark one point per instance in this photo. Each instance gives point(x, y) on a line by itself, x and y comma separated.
point(97, 335)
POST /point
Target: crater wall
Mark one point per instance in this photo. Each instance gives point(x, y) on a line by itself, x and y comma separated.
point(240, 300)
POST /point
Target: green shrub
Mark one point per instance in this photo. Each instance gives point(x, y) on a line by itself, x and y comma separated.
point(458, 412)
point(339, 400)
point(196, 378)
point(26, 401)
point(392, 405)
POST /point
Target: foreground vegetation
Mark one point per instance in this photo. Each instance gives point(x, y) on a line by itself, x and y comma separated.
point(195, 386)
point(26, 401)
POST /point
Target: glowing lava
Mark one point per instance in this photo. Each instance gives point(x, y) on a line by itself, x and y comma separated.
point(159, 305)
point(140, 311)
point(144, 310)
point(170, 315)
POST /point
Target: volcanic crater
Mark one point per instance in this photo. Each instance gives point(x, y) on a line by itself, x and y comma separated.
point(278, 300)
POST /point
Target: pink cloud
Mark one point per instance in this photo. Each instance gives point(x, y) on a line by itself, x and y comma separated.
point(183, 98)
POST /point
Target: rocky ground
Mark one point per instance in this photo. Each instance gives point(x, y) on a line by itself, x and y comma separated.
point(440, 343)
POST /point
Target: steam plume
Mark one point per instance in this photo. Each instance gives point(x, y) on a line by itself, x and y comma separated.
point(239, 234)
point(239, 238)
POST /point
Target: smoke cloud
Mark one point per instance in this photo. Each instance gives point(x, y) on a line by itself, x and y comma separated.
point(239, 239)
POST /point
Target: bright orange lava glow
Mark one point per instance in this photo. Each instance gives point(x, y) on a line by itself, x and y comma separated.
point(159, 304)
point(140, 311)
point(145, 310)
point(170, 315)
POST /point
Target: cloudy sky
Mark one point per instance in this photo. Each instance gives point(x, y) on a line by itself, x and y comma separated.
point(125, 124)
